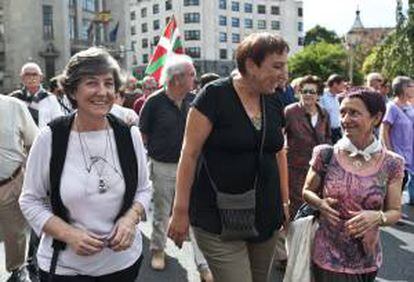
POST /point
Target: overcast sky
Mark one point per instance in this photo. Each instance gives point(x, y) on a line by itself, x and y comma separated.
point(339, 15)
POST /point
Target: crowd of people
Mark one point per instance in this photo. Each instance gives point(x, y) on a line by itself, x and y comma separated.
point(225, 162)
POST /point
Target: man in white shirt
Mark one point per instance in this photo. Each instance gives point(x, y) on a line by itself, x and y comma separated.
point(42, 105)
point(329, 101)
point(17, 133)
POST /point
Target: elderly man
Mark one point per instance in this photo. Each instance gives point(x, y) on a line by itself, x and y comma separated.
point(374, 81)
point(17, 131)
point(162, 124)
point(149, 85)
point(42, 105)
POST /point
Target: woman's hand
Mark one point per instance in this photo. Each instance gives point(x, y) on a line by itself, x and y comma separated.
point(84, 243)
point(124, 233)
point(326, 210)
point(178, 227)
point(361, 222)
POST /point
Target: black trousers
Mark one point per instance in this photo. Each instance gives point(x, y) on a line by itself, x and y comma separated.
point(129, 274)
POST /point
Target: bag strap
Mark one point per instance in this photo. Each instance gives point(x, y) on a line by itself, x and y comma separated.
point(262, 141)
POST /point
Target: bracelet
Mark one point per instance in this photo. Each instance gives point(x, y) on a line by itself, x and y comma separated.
point(382, 218)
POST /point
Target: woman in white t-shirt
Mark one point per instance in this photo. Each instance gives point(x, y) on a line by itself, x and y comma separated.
point(102, 197)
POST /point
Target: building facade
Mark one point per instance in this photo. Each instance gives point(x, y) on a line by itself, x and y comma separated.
point(211, 30)
point(48, 32)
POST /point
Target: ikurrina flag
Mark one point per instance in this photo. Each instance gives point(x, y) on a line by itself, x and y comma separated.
point(170, 42)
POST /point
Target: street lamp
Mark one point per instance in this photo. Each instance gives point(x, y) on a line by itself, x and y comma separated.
point(351, 41)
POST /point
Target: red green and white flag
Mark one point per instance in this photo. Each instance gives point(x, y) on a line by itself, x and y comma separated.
point(170, 42)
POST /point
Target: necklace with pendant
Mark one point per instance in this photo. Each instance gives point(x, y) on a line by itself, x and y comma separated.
point(102, 185)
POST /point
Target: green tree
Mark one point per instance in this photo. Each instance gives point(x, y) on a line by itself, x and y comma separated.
point(321, 59)
point(321, 34)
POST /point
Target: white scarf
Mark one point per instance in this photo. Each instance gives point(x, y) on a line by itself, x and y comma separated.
point(345, 144)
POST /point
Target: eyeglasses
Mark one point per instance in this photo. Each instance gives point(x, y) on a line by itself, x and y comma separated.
point(308, 91)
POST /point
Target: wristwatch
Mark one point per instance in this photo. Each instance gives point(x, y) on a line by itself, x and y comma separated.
point(382, 218)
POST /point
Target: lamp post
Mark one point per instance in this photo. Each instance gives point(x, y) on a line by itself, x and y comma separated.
point(351, 42)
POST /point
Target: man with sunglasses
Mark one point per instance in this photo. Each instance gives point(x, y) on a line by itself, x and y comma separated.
point(329, 101)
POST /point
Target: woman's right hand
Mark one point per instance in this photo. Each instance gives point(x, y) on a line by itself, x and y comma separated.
point(84, 243)
point(326, 210)
point(178, 227)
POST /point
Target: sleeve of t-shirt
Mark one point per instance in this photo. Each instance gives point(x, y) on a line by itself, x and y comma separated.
point(396, 169)
point(390, 114)
point(206, 101)
point(29, 129)
point(145, 116)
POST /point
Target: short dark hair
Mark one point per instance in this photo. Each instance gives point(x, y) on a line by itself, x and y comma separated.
point(257, 46)
point(54, 83)
point(92, 61)
point(312, 79)
point(334, 79)
point(372, 100)
point(208, 77)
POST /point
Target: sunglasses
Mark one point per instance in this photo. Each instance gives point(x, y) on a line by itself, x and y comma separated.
point(308, 91)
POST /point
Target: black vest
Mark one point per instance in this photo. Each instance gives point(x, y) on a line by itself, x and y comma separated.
point(60, 136)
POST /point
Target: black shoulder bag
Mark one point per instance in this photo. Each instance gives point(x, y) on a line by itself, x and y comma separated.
point(238, 211)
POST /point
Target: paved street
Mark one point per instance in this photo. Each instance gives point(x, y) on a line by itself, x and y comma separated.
point(398, 245)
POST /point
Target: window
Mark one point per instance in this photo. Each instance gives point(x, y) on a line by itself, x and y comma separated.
point(300, 12)
point(145, 58)
point(132, 16)
point(168, 5)
point(143, 12)
point(300, 26)
point(144, 27)
point(235, 38)
point(194, 52)
point(72, 3)
point(222, 20)
point(275, 10)
point(191, 17)
point(261, 24)
point(144, 43)
point(223, 37)
point(155, 40)
point(192, 35)
point(133, 30)
point(235, 6)
point(191, 2)
point(223, 4)
point(47, 22)
point(261, 9)
point(72, 27)
point(248, 7)
point(88, 5)
point(223, 54)
point(248, 23)
point(301, 41)
point(155, 9)
point(133, 45)
point(235, 22)
point(156, 24)
point(275, 25)
point(87, 27)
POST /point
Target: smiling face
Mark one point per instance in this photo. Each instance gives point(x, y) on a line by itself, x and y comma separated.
point(309, 94)
point(95, 95)
point(356, 120)
point(271, 74)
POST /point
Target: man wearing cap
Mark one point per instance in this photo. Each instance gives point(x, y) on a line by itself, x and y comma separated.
point(43, 106)
point(18, 131)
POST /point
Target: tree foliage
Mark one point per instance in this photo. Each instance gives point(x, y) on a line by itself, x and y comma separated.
point(321, 34)
point(396, 55)
point(321, 59)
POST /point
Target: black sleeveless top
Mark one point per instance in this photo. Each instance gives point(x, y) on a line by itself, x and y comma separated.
point(231, 152)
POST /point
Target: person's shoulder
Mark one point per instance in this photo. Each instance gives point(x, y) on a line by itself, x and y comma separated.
point(156, 97)
point(11, 100)
point(217, 85)
point(393, 157)
point(292, 107)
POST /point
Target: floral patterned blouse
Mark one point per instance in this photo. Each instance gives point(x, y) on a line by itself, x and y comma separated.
point(356, 189)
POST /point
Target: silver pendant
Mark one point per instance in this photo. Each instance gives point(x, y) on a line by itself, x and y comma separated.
point(357, 163)
point(102, 187)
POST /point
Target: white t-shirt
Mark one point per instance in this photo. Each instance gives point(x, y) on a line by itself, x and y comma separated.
point(17, 131)
point(89, 209)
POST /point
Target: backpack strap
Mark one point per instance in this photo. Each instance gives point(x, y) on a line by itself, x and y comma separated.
point(326, 155)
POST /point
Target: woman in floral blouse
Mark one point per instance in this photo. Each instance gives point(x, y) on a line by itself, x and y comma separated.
point(307, 125)
point(361, 192)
